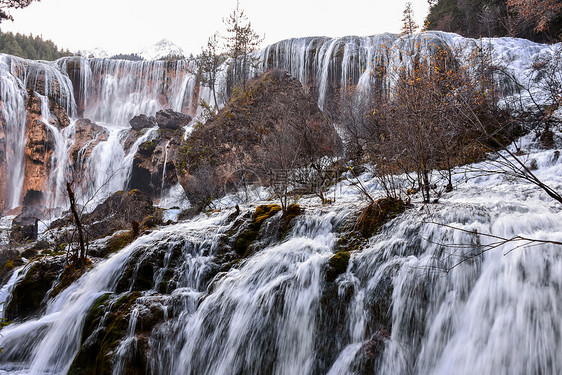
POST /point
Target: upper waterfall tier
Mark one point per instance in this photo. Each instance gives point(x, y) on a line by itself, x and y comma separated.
point(111, 92)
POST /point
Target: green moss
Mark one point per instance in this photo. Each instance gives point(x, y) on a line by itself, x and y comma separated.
point(119, 241)
point(95, 355)
point(337, 265)
point(247, 237)
point(378, 213)
point(147, 148)
point(290, 213)
point(9, 265)
point(70, 275)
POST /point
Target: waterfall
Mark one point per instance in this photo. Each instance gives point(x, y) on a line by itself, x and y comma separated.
point(14, 115)
point(419, 297)
point(119, 90)
point(162, 187)
point(394, 309)
point(111, 92)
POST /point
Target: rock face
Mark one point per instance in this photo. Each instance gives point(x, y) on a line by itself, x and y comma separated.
point(38, 152)
point(169, 119)
point(24, 226)
point(30, 292)
point(87, 136)
point(118, 212)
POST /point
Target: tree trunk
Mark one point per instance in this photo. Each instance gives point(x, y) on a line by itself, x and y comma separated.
point(80, 262)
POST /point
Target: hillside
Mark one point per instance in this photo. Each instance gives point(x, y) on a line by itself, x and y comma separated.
point(30, 47)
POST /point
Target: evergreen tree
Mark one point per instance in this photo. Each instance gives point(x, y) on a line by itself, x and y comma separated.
point(209, 65)
point(409, 26)
point(240, 42)
point(29, 47)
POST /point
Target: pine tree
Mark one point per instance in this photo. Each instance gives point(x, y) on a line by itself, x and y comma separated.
point(209, 65)
point(240, 42)
point(409, 26)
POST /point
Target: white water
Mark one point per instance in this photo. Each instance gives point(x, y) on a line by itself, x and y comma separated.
point(496, 313)
point(111, 92)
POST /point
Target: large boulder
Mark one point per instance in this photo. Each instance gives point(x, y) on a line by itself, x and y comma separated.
point(24, 226)
point(169, 119)
point(275, 114)
point(142, 121)
point(118, 212)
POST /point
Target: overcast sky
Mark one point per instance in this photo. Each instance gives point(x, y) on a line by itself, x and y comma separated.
point(123, 26)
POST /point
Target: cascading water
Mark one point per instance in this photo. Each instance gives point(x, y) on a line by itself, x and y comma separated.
point(110, 92)
point(404, 304)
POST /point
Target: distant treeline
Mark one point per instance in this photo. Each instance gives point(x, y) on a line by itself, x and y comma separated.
point(30, 47)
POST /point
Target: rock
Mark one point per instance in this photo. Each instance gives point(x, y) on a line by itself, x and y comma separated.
point(169, 119)
point(24, 226)
point(38, 152)
point(148, 170)
point(142, 121)
point(274, 111)
point(59, 117)
point(31, 290)
point(118, 212)
point(87, 136)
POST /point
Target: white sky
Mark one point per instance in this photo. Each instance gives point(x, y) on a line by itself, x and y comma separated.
point(124, 26)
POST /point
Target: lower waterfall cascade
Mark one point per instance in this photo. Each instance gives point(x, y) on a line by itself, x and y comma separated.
point(403, 305)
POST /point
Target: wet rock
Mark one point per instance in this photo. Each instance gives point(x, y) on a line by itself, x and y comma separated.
point(38, 152)
point(169, 119)
point(142, 121)
point(153, 164)
point(87, 136)
point(29, 293)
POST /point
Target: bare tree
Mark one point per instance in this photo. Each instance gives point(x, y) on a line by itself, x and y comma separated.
point(11, 4)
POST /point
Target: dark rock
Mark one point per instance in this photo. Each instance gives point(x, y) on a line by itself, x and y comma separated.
point(24, 226)
point(32, 289)
point(153, 164)
point(142, 121)
point(118, 212)
point(169, 119)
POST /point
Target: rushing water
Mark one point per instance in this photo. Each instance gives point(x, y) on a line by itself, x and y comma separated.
point(417, 298)
point(111, 92)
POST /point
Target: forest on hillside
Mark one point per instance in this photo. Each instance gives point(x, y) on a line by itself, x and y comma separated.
point(30, 47)
point(537, 20)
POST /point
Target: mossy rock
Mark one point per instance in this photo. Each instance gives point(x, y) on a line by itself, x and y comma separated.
point(29, 293)
point(249, 236)
point(289, 215)
point(337, 265)
point(99, 342)
point(119, 241)
point(147, 148)
point(377, 214)
point(70, 275)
